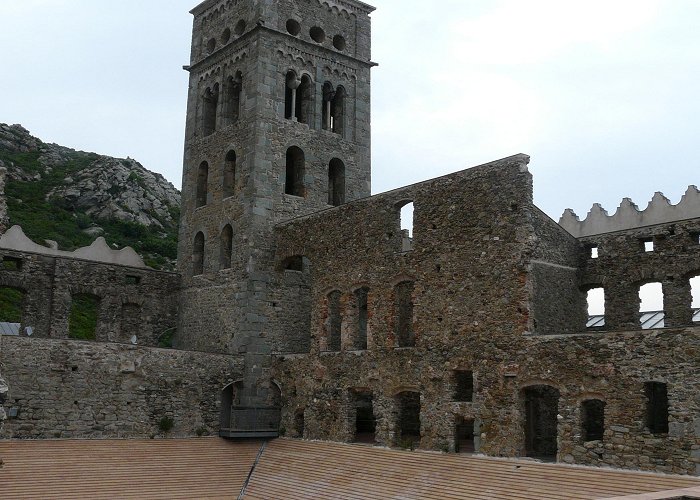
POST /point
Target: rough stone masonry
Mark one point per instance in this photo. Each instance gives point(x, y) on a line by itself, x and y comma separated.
point(301, 293)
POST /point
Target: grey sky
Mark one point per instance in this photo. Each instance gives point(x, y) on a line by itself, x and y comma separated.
point(601, 94)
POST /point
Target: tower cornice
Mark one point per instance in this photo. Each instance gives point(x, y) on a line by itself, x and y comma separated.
point(211, 58)
point(351, 5)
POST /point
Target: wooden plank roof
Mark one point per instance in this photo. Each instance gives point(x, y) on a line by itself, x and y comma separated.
point(301, 469)
point(216, 468)
point(152, 468)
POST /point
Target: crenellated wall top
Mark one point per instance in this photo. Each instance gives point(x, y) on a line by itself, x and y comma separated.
point(628, 216)
point(15, 239)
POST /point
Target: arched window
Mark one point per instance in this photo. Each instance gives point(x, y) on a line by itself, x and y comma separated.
point(210, 102)
point(336, 182)
point(291, 84)
point(338, 111)
point(595, 299)
point(403, 293)
point(198, 255)
point(328, 97)
point(232, 105)
point(695, 294)
point(229, 187)
point(406, 225)
point(304, 101)
point(82, 321)
point(361, 299)
point(294, 180)
point(226, 247)
point(202, 184)
point(334, 321)
point(651, 306)
point(592, 419)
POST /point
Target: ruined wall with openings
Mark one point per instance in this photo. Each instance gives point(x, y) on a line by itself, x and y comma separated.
point(496, 292)
point(138, 302)
point(77, 389)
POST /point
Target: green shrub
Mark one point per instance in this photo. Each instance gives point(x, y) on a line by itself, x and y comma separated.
point(166, 424)
point(11, 300)
point(82, 321)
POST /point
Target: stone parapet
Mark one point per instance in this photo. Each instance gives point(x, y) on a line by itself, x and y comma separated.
point(628, 216)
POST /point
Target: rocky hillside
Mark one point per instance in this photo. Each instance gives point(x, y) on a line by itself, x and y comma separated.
point(71, 197)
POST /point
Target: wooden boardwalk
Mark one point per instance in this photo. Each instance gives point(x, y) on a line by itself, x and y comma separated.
point(288, 469)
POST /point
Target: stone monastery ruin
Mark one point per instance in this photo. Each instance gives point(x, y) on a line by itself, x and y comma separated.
point(301, 308)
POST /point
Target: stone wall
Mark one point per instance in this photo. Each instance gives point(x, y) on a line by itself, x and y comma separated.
point(74, 389)
point(558, 306)
point(496, 284)
point(133, 301)
point(623, 265)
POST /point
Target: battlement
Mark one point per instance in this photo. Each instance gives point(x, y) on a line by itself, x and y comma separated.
point(628, 216)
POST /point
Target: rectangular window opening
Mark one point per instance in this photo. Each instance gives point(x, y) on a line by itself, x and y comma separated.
point(464, 386)
point(132, 280)
point(657, 407)
point(648, 244)
point(592, 251)
point(12, 263)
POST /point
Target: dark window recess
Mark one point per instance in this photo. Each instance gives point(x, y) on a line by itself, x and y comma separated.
point(12, 263)
point(132, 280)
point(334, 321)
point(409, 414)
point(464, 436)
point(295, 263)
point(404, 314)
point(657, 407)
point(464, 386)
point(592, 419)
point(362, 316)
point(294, 179)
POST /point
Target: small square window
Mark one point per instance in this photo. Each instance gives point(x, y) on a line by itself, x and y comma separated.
point(132, 280)
point(12, 264)
point(592, 251)
point(648, 244)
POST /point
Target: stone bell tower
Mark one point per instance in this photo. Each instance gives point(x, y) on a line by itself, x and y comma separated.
point(278, 126)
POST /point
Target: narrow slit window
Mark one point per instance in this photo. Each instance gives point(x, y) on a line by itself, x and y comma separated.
point(657, 407)
point(592, 419)
point(406, 226)
point(592, 251)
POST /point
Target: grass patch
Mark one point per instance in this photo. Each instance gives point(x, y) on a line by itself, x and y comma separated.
point(11, 302)
point(82, 321)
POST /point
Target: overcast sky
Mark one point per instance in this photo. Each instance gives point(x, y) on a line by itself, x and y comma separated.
point(602, 94)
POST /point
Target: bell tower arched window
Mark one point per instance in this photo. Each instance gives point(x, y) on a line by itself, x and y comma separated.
point(229, 181)
point(232, 105)
point(202, 184)
point(294, 180)
point(336, 182)
point(210, 102)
